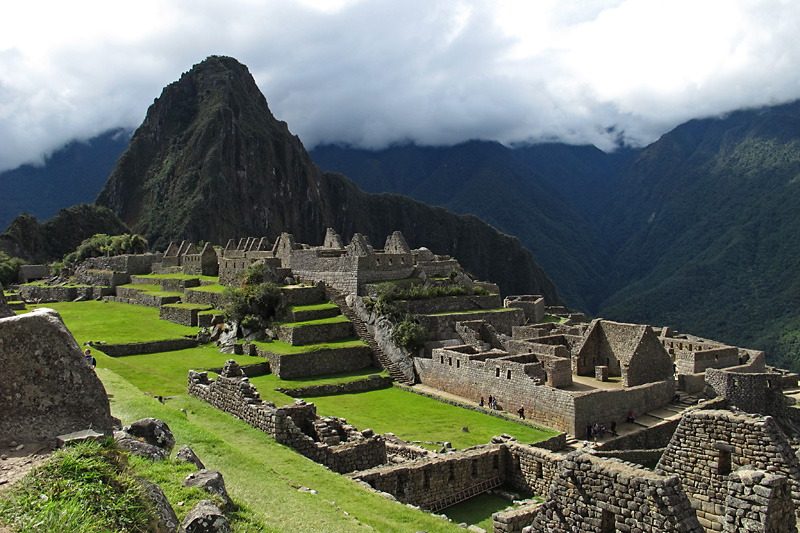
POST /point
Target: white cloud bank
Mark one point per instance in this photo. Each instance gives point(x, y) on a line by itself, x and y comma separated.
point(376, 72)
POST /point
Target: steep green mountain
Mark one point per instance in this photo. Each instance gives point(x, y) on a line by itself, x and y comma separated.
point(704, 231)
point(37, 242)
point(70, 176)
point(498, 185)
point(211, 162)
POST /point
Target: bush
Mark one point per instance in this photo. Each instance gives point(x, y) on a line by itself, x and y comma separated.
point(251, 302)
point(409, 335)
point(102, 244)
point(258, 273)
point(9, 269)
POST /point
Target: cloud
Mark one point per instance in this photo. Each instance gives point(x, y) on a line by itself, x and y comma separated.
point(371, 73)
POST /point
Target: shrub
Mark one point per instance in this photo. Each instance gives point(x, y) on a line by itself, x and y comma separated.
point(409, 335)
point(102, 244)
point(9, 269)
point(252, 302)
point(258, 273)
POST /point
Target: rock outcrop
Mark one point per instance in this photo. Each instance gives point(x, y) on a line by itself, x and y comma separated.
point(46, 386)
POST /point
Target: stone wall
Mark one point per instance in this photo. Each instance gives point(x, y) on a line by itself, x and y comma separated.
point(502, 320)
point(300, 365)
point(750, 392)
point(428, 481)
point(698, 361)
point(759, 501)
point(185, 316)
point(709, 445)
point(130, 264)
point(314, 333)
point(338, 446)
point(531, 468)
point(103, 278)
point(199, 296)
point(448, 304)
point(533, 305)
point(359, 385)
point(44, 293)
point(595, 494)
point(473, 376)
point(496, 374)
point(138, 348)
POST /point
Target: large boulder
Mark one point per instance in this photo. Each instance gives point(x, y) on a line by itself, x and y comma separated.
point(46, 387)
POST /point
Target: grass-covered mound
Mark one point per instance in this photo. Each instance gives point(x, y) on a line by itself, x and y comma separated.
point(94, 487)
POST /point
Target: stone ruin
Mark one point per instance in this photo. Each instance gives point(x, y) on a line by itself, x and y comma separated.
point(329, 441)
point(47, 387)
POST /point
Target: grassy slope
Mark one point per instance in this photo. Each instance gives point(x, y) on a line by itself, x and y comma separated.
point(265, 474)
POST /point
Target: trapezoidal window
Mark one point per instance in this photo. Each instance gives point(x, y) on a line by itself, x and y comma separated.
point(508, 374)
point(458, 363)
point(497, 372)
point(607, 522)
point(724, 463)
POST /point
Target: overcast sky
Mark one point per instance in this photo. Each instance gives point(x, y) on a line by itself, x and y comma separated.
point(374, 72)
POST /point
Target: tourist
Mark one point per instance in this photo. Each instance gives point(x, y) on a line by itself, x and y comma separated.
point(631, 417)
point(89, 358)
point(614, 427)
point(589, 434)
point(494, 403)
point(481, 404)
point(521, 412)
point(491, 402)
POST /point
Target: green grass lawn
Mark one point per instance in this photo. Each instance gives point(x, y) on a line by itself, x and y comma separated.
point(331, 320)
point(115, 323)
point(413, 417)
point(155, 290)
point(286, 349)
point(203, 307)
point(312, 307)
point(209, 288)
point(166, 373)
point(266, 384)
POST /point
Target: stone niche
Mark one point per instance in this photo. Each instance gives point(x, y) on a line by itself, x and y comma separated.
point(46, 387)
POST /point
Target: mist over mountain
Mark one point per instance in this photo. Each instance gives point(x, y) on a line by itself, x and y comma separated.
point(70, 176)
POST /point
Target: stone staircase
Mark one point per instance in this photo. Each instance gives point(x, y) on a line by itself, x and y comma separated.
point(363, 332)
point(465, 494)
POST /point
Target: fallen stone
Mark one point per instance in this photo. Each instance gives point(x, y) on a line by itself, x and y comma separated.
point(86, 435)
point(134, 446)
point(212, 481)
point(206, 518)
point(187, 455)
point(153, 431)
point(167, 519)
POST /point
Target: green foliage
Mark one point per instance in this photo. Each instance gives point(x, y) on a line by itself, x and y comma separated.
point(83, 488)
point(409, 335)
point(102, 244)
point(9, 269)
point(258, 302)
point(257, 273)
